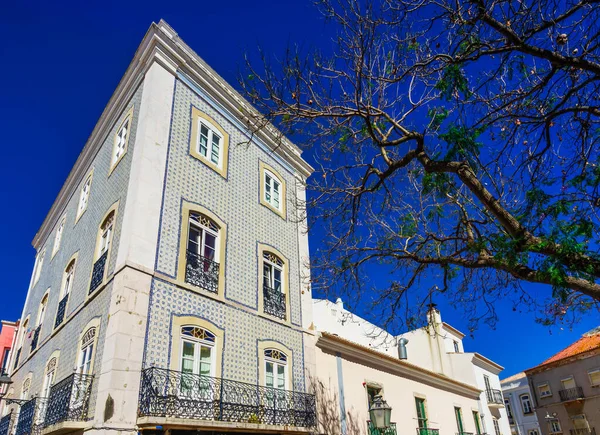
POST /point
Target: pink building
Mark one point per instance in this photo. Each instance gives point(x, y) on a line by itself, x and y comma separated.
point(7, 333)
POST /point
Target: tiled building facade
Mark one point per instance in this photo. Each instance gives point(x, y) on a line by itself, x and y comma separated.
point(172, 255)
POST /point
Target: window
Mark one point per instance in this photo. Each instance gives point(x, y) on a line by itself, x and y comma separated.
point(533, 432)
point(275, 369)
point(272, 190)
point(274, 297)
point(594, 376)
point(46, 386)
point(526, 404)
point(202, 268)
point(42, 310)
point(554, 426)
point(121, 140)
point(477, 423)
point(84, 197)
point(58, 236)
point(197, 359)
point(508, 408)
point(209, 143)
point(456, 348)
point(38, 266)
point(103, 244)
point(421, 413)
point(496, 426)
point(84, 363)
point(459, 420)
point(580, 423)
point(544, 390)
point(486, 380)
point(65, 290)
point(25, 389)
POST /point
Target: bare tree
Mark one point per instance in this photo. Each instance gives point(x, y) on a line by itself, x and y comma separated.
point(457, 143)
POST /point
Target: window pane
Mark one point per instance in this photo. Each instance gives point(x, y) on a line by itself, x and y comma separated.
point(280, 377)
point(188, 349)
point(277, 278)
point(203, 141)
point(214, 155)
point(267, 275)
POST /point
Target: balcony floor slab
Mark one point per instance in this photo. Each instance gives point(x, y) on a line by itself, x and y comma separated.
point(186, 423)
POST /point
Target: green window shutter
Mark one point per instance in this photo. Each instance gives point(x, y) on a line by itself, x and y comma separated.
point(421, 414)
point(459, 422)
point(477, 424)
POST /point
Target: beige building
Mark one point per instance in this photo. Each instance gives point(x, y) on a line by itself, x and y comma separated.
point(429, 391)
point(566, 389)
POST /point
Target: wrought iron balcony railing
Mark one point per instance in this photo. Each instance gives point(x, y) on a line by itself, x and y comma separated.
point(36, 337)
point(427, 431)
point(387, 431)
point(274, 302)
point(571, 394)
point(60, 312)
point(98, 272)
point(31, 417)
point(495, 397)
point(17, 357)
point(202, 272)
point(586, 431)
point(69, 399)
point(169, 393)
point(5, 424)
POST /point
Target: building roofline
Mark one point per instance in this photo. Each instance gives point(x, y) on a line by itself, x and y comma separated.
point(563, 361)
point(9, 322)
point(453, 329)
point(162, 44)
point(488, 362)
point(334, 343)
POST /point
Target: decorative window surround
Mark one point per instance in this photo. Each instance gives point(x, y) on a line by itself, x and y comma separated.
point(270, 260)
point(84, 196)
point(272, 190)
point(209, 142)
point(121, 141)
point(58, 236)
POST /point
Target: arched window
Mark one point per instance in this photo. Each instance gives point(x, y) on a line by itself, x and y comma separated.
point(65, 291)
point(25, 389)
point(42, 310)
point(526, 404)
point(274, 298)
point(58, 236)
point(121, 140)
point(84, 364)
point(84, 196)
point(197, 351)
point(202, 268)
point(103, 248)
point(49, 377)
point(276, 366)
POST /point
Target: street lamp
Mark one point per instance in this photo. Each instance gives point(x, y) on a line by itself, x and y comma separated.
point(380, 413)
point(4, 380)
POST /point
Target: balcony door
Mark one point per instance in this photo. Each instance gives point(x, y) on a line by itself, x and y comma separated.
point(202, 239)
point(459, 420)
point(421, 415)
point(197, 363)
point(276, 375)
point(568, 383)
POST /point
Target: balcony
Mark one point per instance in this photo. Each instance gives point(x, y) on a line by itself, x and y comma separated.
point(98, 272)
point(427, 431)
point(571, 394)
point(588, 431)
point(36, 338)
point(60, 312)
point(387, 431)
point(274, 302)
point(494, 398)
point(5, 424)
point(68, 401)
point(202, 272)
point(168, 394)
point(31, 417)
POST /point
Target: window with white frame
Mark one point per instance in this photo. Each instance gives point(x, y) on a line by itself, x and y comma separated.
point(508, 409)
point(84, 196)
point(203, 236)
point(210, 142)
point(42, 311)
point(554, 426)
point(276, 369)
point(197, 359)
point(544, 390)
point(594, 376)
point(58, 236)
point(106, 230)
point(38, 266)
point(526, 404)
point(49, 377)
point(25, 389)
point(84, 363)
point(580, 423)
point(121, 140)
point(272, 271)
point(68, 280)
point(456, 348)
point(272, 190)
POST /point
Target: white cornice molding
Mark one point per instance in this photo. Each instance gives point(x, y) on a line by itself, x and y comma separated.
point(379, 361)
point(161, 44)
point(486, 364)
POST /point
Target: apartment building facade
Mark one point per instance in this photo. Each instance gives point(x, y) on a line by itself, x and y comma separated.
point(566, 388)
point(436, 388)
point(170, 289)
point(519, 405)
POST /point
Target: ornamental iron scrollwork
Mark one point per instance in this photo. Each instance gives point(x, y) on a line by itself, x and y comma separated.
point(274, 302)
point(69, 399)
point(169, 393)
point(98, 272)
point(202, 272)
point(5, 424)
point(31, 417)
point(60, 312)
point(36, 337)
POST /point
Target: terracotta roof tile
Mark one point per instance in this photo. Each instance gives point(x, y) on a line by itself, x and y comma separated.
point(587, 342)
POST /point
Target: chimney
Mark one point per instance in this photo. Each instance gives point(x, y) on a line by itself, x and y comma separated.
point(339, 303)
point(402, 354)
point(434, 318)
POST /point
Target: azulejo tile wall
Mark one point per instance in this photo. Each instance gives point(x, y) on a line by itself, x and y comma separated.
point(234, 199)
point(242, 332)
point(78, 238)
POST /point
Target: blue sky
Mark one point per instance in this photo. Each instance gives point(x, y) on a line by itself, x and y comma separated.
point(61, 62)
